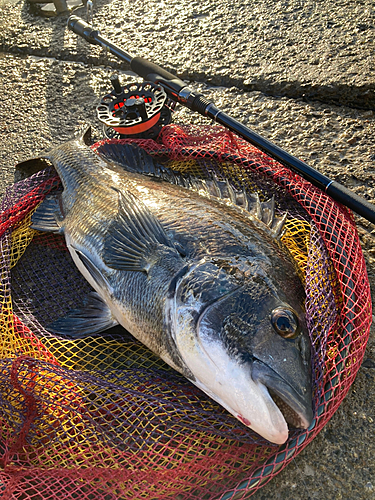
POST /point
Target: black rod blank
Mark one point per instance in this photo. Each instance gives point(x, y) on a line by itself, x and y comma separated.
point(179, 91)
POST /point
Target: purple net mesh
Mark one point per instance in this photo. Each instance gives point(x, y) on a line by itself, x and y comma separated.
point(103, 417)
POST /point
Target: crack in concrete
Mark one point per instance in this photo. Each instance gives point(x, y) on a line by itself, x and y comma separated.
point(357, 97)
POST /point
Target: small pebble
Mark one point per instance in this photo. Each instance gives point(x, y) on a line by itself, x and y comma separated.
point(353, 140)
point(368, 363)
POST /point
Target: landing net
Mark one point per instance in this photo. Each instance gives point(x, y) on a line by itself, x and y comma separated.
point(102, 418)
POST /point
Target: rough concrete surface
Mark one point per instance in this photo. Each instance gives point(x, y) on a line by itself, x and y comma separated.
point(299, 73)
point(321, 50)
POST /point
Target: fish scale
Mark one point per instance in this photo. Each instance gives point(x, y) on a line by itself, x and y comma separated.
point(192, 268)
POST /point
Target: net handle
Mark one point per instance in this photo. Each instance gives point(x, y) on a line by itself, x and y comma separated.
point(178, 91)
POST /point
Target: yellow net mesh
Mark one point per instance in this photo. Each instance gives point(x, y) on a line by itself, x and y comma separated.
point(104, 418)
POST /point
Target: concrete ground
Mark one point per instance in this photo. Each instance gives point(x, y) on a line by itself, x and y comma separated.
point(301, 73)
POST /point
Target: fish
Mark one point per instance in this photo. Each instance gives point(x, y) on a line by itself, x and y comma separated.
point(192, 267)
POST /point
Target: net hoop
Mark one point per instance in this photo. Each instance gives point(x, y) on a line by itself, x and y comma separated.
point(340, 355)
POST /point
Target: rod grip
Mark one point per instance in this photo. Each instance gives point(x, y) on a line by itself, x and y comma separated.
point(83, 29)
point(151, 72)
point(343, 195)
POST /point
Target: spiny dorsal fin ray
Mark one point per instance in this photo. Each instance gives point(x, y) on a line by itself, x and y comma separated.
point(135, 159)
point(265, 212)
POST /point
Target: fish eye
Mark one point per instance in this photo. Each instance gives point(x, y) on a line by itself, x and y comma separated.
point(285, 322)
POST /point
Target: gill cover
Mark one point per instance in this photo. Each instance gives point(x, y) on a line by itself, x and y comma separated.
point(224, 326)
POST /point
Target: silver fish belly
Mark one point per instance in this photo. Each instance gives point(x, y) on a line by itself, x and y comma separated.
point(193, 273)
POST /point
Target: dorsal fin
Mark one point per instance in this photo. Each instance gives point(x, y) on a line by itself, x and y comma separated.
point(265, 212)
point(129, 156)
point(135, 159)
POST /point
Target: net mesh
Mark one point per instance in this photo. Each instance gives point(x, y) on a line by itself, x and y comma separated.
point(103, 418)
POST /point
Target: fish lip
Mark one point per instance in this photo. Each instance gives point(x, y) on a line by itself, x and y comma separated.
point(301, 405)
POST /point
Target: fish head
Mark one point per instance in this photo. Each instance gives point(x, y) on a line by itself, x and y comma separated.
point(245, 343)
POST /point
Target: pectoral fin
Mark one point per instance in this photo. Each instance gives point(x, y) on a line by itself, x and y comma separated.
point(135, 238)
point(94, 317)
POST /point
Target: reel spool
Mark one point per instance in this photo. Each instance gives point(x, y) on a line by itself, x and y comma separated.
point(134, 110)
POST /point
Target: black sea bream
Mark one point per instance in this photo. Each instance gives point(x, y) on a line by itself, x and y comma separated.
point(192, 269)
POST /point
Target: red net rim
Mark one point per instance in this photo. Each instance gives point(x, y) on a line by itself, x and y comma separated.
point(336, 226)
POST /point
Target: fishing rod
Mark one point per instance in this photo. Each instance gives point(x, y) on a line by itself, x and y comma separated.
point(179, 92)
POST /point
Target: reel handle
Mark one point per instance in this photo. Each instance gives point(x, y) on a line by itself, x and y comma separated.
point(181, 93)
point(147, 70)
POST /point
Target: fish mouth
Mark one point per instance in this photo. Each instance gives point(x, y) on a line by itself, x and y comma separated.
point(292, 418)
point(295, 406)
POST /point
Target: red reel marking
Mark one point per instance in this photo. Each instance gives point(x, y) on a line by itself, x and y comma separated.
point(137, 129)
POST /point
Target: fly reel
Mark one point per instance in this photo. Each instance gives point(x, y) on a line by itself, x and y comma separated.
point(134, 110)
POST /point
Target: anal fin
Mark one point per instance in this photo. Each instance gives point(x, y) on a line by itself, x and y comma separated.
point(48, 216)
